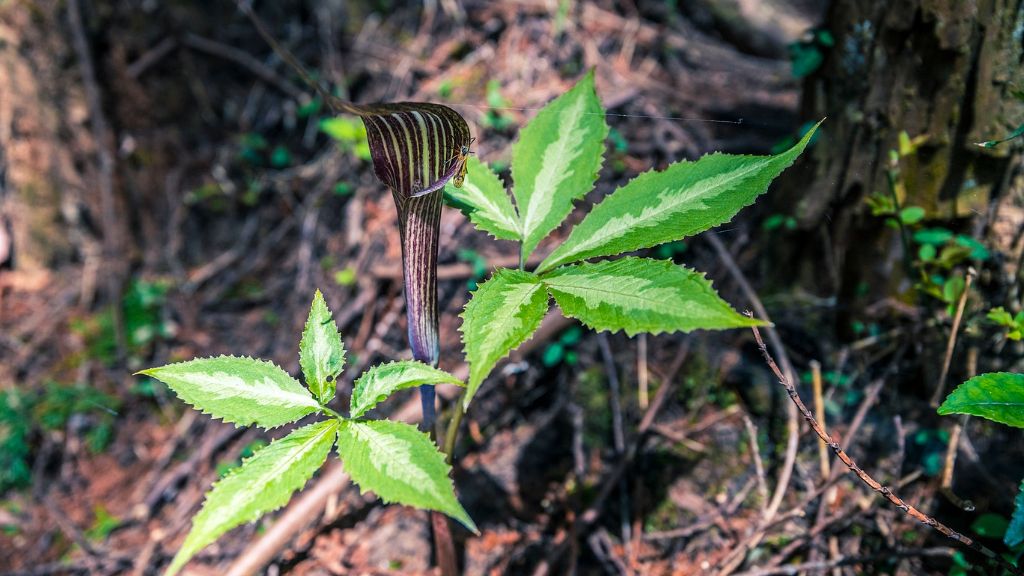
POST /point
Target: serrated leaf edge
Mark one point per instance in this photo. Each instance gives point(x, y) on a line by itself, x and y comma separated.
point(362, 491)
point(237, 470)
point(698, 273)
point(545, 266)
point(577, 197)
point(318, 295)
point(462, 338)
point(315, 404)
point(355, 385)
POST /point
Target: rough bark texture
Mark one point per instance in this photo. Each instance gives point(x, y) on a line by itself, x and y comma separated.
point(943, 72)
point(37, 177)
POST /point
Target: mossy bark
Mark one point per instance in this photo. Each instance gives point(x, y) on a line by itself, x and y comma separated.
point(943, 71)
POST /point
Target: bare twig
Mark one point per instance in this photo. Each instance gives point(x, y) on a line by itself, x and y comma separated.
point(867, 479)
point(243, 59)
point(792, 421)
point(587, 519)
point(150, 57)
point(618, 434)
point(707, 521)
point(755, 451)
point(641, 370)
point(819, 411)
point(951, 344)
point(949, 465)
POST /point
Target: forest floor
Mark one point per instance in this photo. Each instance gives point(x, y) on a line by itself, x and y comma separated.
point(227, 206)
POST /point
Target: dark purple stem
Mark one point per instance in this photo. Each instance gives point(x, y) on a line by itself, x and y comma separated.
point(419, 223)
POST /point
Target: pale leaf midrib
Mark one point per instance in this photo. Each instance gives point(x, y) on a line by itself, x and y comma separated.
point(252, 489)
point(372, 439)
point(259, 391)
point(991, 403)
point(513, 315)
point(298, 452)
point(496, 213)
point(653, 217)
point(617, 295)
point(534, 216)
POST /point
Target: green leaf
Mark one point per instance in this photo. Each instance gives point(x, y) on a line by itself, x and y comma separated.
point(990, 525)
point(321, 352)
point(641, 295)
point(978, 250)
point(993, 143)
point(1015, 532)
point(912, 215)
point(933, 236)
point(1000, 316)
point(805, 58)
point(243, 391)
point(350, 134)
point(383, 380)
point(556, 160)
point(263, 483)
point(998, 396)
point(502, 314)
point(400, 464)
point(683, 200)
point(483, 199)
point(952, 289)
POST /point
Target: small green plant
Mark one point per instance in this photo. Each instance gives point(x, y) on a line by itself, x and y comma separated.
point(349, 133)
point(997, 396)
point(417, 149)
point(1014, 325)
point(26, 414)
point(807, 54)
point(555, 163)
point(393, 459)
point(931, 254)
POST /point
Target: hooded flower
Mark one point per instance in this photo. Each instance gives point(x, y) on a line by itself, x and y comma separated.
point(416, 149)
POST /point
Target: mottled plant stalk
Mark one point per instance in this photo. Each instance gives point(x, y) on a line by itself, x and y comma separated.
point(419, 222)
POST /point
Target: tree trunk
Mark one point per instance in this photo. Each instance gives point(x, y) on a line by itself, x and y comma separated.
point(38, 182)
point(943, 72)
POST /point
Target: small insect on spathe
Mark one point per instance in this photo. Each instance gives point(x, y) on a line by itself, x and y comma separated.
point(461, 157)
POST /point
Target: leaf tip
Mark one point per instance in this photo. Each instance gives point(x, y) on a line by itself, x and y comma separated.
point(466, 521)
point(177, 564)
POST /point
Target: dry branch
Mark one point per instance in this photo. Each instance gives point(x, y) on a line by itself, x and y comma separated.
point(867, 479)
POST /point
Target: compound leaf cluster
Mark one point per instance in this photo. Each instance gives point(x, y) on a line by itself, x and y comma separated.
point(392, 459)
point(555, 162)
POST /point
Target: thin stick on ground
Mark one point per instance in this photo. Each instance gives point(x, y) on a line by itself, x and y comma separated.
point(819, 412)
point(755, 451)
point(949, 465)
point(953, 446)
point(867, 479)
point(641, 371)
point(951, 345)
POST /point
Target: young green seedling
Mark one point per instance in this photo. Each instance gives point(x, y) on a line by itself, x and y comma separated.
point(393, 459)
